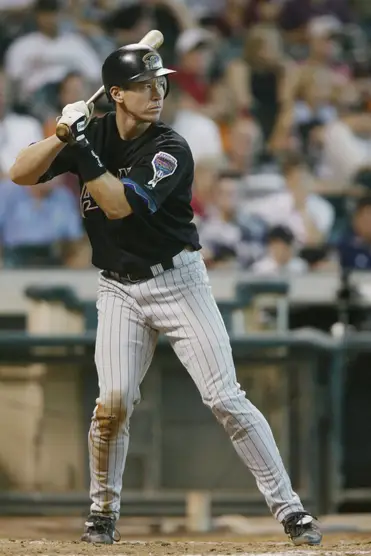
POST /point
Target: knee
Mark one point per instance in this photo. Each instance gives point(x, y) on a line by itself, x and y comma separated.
point(234, 413)
point(111, 413)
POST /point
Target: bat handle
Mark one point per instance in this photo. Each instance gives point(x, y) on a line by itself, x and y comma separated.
point(63, 132)
point(96, 96)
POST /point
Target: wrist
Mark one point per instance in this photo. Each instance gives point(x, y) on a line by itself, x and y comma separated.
point(56, 143)
point(89, 165)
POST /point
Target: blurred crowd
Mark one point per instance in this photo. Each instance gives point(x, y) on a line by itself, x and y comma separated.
point(273, 97)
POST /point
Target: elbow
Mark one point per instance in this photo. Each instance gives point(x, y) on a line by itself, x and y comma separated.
point(114, 206)
point(17, 177)
point(116, 213)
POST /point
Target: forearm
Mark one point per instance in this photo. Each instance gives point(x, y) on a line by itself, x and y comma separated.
point(284, 122)
point(106, 190)
point(35, 160)
point(287, 91)
point(109, 194)
point(238, 79)
point(219, 106)
point(313, 235)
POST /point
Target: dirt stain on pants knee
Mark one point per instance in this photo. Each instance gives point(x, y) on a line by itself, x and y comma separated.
point(107, 423)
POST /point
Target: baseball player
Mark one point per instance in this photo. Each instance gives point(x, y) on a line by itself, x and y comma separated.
point(136, 177)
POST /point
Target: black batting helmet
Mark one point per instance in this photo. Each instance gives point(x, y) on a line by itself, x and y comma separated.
point(132, 63)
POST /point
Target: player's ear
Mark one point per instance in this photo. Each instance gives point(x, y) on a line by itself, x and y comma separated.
point(117, 94)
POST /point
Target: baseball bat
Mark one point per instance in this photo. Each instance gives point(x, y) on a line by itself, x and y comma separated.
point(153, 38)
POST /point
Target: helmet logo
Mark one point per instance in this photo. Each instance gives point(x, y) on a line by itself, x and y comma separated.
point(152, 61)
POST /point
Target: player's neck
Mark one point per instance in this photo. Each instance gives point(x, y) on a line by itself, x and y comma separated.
point(128, 127)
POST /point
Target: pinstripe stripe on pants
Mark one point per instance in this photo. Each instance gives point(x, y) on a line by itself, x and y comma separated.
point(178, 303)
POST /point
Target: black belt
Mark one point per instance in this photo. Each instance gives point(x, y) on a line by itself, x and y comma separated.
point(142, 274)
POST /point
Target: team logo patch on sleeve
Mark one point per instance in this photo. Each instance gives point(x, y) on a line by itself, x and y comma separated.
point(164, 165)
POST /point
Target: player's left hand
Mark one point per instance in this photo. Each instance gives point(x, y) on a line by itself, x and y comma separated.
point(75, 117)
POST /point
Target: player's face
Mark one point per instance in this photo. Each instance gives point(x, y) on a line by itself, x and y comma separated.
point(145, 100)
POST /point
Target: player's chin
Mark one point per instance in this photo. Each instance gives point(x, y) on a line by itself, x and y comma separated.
point(152, 115)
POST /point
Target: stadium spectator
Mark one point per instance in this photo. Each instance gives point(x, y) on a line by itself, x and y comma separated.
point(259, 81)
point(346, 150)
point(46, 55)
point(16, 130)
point(243, 142)
point(204, 9)
point(194, 51)
point(256, 79)
point(354, 247)
point(48, 105)
point(325, 34)
point(313, 106)
point(309, 216)
point(171, 17)
point(205, 177)
point(51, 99)
point(314, 86)
point(281, 255)
point(13, 22)
point(263, 11)
point(230, 239)
point(230, 25)
point(129, 23)
point(295, 15)
point(201, 132)
point(87, 17)
point(40, 226)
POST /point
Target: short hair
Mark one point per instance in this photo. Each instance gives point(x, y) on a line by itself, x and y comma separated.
point(290, 160)
point(281, 233)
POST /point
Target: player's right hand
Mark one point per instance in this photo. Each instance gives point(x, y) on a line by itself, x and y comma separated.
point(73, 122)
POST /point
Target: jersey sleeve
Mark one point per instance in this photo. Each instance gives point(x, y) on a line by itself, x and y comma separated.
point(149, 182)
point(62, 163)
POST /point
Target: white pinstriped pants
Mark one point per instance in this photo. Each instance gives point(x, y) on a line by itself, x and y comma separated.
point(178, 303)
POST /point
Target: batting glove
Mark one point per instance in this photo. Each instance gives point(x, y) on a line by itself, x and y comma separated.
point(73, 122)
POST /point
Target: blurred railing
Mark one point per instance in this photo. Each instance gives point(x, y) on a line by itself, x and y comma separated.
point(49, 387)
point(281, 375)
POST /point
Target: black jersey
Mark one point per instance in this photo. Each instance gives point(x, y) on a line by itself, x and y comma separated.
point(156, 170)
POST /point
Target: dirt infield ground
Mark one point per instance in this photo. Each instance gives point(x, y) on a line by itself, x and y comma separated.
point(59, 536)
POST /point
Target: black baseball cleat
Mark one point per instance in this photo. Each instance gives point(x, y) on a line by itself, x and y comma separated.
point(100, 529)
point(302, 528)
